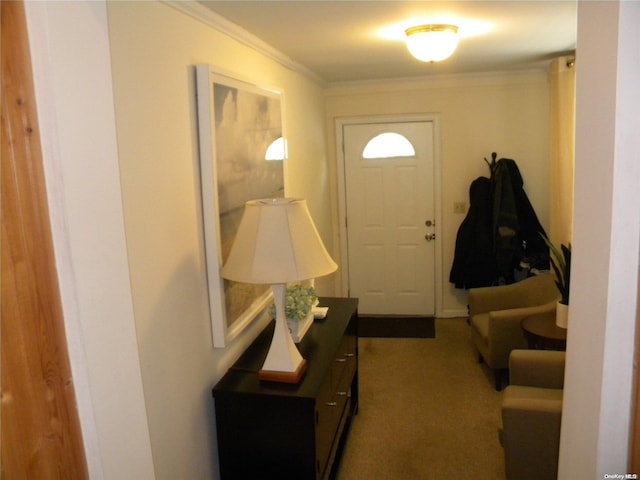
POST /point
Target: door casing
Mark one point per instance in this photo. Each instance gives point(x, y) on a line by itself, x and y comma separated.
point(342, 205)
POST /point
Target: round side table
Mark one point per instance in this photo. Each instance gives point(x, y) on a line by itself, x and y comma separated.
point(542, 333)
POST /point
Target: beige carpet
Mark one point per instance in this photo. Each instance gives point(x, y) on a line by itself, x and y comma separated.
point(428, 410)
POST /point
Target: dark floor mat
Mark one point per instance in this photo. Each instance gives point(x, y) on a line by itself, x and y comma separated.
point(396, 327)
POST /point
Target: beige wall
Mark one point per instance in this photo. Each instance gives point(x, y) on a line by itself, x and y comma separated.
point(153, 49)
point(508, 114)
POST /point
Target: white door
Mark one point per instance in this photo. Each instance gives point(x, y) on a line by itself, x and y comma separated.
point(390, 220)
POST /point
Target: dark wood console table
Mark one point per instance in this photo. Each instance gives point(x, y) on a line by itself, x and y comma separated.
point(542, 333)
point(279, 431)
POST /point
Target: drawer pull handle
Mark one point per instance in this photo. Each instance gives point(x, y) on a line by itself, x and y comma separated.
point(341, 394)
point(349, 355)
point(341, 360)
point(332, 404)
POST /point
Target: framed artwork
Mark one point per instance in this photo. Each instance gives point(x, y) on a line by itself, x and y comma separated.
point(242, 153)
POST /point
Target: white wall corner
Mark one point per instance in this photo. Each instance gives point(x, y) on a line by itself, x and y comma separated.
point(69, 45)
point(599, 370)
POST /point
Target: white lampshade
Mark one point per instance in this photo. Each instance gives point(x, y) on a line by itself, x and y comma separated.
point(432, 43)
point(277, 242)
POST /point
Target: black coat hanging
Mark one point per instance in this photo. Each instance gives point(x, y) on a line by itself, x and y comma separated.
point(474, 264)
point(500, 232)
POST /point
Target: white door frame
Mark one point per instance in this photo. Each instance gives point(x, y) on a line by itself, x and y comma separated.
point(437, 185)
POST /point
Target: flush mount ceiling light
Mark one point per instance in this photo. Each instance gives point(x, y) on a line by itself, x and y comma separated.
point(432, 43)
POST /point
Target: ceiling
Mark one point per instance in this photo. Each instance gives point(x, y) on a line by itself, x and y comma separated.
point(343, 41)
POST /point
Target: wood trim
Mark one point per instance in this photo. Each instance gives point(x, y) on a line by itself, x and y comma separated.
point(284, 377)
point(41, 436)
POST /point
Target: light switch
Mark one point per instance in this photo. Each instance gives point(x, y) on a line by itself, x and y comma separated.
point(459, 207)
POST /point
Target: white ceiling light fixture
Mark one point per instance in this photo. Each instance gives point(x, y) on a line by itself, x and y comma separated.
point(432, 43)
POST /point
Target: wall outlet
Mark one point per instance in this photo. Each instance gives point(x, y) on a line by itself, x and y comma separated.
point(459, 207)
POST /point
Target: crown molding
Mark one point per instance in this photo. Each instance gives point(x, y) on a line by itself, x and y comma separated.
point(201, 13)
point(500, 78)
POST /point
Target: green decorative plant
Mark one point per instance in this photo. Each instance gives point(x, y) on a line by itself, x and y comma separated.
point(561, 264)
point(299, 301)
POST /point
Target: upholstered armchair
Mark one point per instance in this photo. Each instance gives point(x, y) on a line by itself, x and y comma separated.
point(495, 315)
point(532, 413)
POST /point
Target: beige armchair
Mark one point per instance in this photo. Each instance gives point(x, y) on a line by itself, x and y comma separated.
point(532, 413)
point(495, 315)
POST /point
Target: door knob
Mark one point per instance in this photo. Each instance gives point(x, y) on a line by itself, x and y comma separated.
point(430, 236)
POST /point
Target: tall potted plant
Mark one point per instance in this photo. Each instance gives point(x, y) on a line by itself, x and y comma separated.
point(561, 264)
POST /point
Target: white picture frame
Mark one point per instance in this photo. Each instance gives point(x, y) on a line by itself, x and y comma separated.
point(237, 122)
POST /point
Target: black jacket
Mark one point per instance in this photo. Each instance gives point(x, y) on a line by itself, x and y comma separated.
point(474, 263)
point(516, 229)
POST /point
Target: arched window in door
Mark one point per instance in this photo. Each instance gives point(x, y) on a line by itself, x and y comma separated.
point(388, 145)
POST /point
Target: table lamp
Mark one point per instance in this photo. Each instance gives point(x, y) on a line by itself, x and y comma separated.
point(277, 243)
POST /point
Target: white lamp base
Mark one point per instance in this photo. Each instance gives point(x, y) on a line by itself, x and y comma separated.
point(284, 362)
